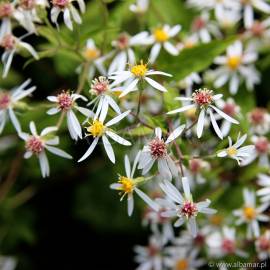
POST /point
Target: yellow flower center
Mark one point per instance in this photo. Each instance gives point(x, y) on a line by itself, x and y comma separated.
point(97, 129)
point(189, 44)
point(91, 54)
point(250, 213)
point(231, 151)
point(160, 35)
point(233, 62)
point(139, 70)
point(127, 184)
point(216, 220)
point(182, 264)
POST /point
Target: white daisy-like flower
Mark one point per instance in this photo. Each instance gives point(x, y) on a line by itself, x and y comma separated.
point(259, 119)
point(150, 257)
point(136, 74)
point(224, 243)
point(140, 7)
point(37, 144)
point(66, 103)
point(124, 52)
point(203, 100)
point(100, 130)
point(228, 18)
point(183, 207)
point(69, 11)
point(236, 66)
point(10, 101)
point(235, 151)
point(248, 10)
point(127, 185)
point(250, 214)
point(7, 263)
point(6, 14)
point(188, 42)
point(188, 82)
point(160, 38)
point(263, 245)
point(264, 193)
point(12, 45)
point(157, 151)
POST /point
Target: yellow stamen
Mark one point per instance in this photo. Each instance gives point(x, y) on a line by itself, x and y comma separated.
point(233, 62)
point(127, 184)
point(250, 213)
point(91, 54)
point(97, 129)
point(139, 70)
point(160, 35)
point(182, 264)
point(231, 151)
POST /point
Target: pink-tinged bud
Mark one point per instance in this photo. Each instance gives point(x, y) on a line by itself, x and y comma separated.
point(60, 3)
point(35, 145)
point(203, 97)
point(123, 41)
point(4, 100)
point(8, 42)
point(229, 109)
point(262, 145)
point(257, 116)
point(6, 10)
point(189, 209)
point(228, 246)
point(27, 4)
point(158, 148)
point(65, 101)
point(198, 24)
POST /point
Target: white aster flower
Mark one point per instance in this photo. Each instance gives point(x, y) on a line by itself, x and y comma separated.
point(127, 185)
point(236, 66)
point(183, 207)
point(264, 193)
point(235, 151)
point(203, 100)
point(37, 144)
point(69, 11)
point(100, 130)
point(263, 246)
point(124, 52)
point(160, 38)
point(10, 101)
point(140, 7)
point(66, 103)
point(228, 18)
point(250, 214)
point(12, 45)
point(136, 74)
point(259, 119)
point(157, 151)
point(7, 263)
point(6, 14)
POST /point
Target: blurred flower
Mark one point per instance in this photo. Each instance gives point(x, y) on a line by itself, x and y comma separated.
point(259, 119)
point(196, 167)
point(157, 151)
point(263, 246)
point(264, 193)
point(6, 13)
point(37, 144)
point(250, 214)
point(236, 152)
point(237, 65)
point(183, 207)
point(188, 42)
point(68, 10)
point(10, 100)
point(136, 74)
point(140, 7)
point(127, 185)
point(7, 263)
point(202, 100)
point(228, 18)
point(98, 129)
point(160, 38)
point(66, 103)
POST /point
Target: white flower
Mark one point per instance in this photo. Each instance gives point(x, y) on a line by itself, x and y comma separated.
point(6, 14)
point(66, 103)
point(124, 52)
point(236, 152)
point(263, 245)
point(203, 100)
point(37, 144)
point(188, 42)
point(12, 100)
point(150, 257)
point(140, 7)
point(195, 169)
point(259, 119)
point(183, 207)
point(100, 130)
point(223, 244)
point(157, 151)
point(251, 215)
point(160, 38)
point(236, 66)
point(69, 11)
point(127, 185)
point(12, 45)
point(7, 263)
point(136, 74)
point(228, 18)
point(188, 82)
point(264, 193)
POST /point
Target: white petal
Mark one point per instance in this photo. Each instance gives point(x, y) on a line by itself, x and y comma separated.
point(175, 134)
point(89, 150)
point(224, 115)
point(200, 124)
point(215, 125)
point(58, 152)
point(117, 138)
point(149, 201)
point(154, 52)
point(127, 166)
point(117, 118)
point(108, 148)
point(156, 85)
point(182, 109)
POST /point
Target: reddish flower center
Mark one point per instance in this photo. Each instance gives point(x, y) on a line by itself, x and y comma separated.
point(257, 116)
point(122, 41)
point(203, 97)
point(158, 148)
point(6, 10)
point(65, 101)
point(229, 109)
point(264, 243)
point(4, 101)
point(262, 145)
point(35, 145)
point(189, 209)
point(195, 165)
point(8, 42)
point(60, 3)
point(100, 85)
point(198, 24)
point(228, 246)
point(27, 4)
point(257, 29)
point(199, 240)
point(153, 250)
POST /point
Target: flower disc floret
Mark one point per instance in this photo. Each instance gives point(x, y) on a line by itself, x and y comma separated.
point(60, 3)
point(4, 100)
point(203, 97)
point(158, 148)
point(160, 35)
point(8, 42)
point(65, 101)
point(127, 184)
point(234, 62)
point(189, 209)
point(6, 10)
point(91, 53)
point(139, 70)
point(262, 145)
point(228, 246)
point(99, 86)
point(97, 129)
point(35, 145)
point(27, 4)
point(181, 264)
point(231, 151)
point(250, 213)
